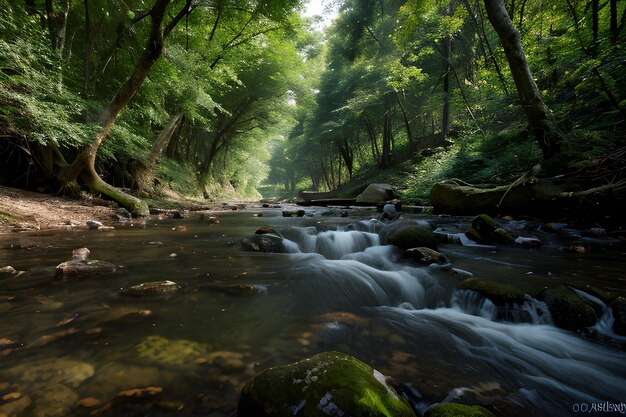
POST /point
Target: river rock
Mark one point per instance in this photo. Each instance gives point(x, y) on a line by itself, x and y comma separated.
point(500, 294)
point(389, 212)
point(267, 231)
point(486, 231)
point(569, 310)
point(457, 410)
point(619, 313)
point(377, 194)
point(7, 272)
point(426, 256)
point(330, 383)
point(154, 288)
point(84, 269)
point(407, 235)
point(293, 213)
point(264, 243)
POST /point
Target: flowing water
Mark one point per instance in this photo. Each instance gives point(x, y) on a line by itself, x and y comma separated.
point(81, 347)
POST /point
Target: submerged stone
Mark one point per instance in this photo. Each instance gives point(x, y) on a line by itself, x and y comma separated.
point(330, 383)
point(569, 310)
point(154, 288)
point(457, 410)
point(171, 352)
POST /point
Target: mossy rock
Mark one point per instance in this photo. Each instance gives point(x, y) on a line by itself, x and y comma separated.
point(407, 235)
point(619, 313)
point(485, 230)
point(330, 383)
point(426, 256)
point(499, 294)
point(569, 310)
point(457, 410)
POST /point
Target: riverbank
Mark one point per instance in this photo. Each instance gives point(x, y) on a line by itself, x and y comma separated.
point(22, 210)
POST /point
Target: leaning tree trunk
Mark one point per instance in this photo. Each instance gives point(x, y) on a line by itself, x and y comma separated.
point(144, 177)
point(84, 164)
point(536, 111)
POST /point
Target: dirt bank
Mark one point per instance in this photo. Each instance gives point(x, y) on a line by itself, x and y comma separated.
point(24, 210)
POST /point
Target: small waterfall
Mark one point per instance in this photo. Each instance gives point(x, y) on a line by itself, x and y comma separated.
point(471, 302)
point(332, 244)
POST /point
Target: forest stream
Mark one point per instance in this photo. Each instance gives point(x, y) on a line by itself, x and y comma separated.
point(85, 347)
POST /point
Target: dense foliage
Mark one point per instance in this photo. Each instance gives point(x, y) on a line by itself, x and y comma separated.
point(212, 100)
point(425, 86)
point(210, 95)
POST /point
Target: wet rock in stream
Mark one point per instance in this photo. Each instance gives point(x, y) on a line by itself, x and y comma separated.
point(82, 267)
point(569, 310)
point(151, 289)
point(485, 230)
point(264, 242)
point(425, 256)
point(407, 235)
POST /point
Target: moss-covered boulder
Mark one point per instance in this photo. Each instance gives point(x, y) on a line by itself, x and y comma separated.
point(407, 235)
point(457, 410)
point(485, 230)
point(500, 294)
point(619, 313)
point(569, 310)
point(328, 384)
point(425, 256)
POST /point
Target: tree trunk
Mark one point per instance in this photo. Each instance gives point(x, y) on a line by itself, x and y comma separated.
point(445, 111)
point(85, 160)
point(144, 177)
point(385, 159)
point(407, 125)
point(536, 111)
point(595, 25)
point(613, 21)
point(57, 24)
